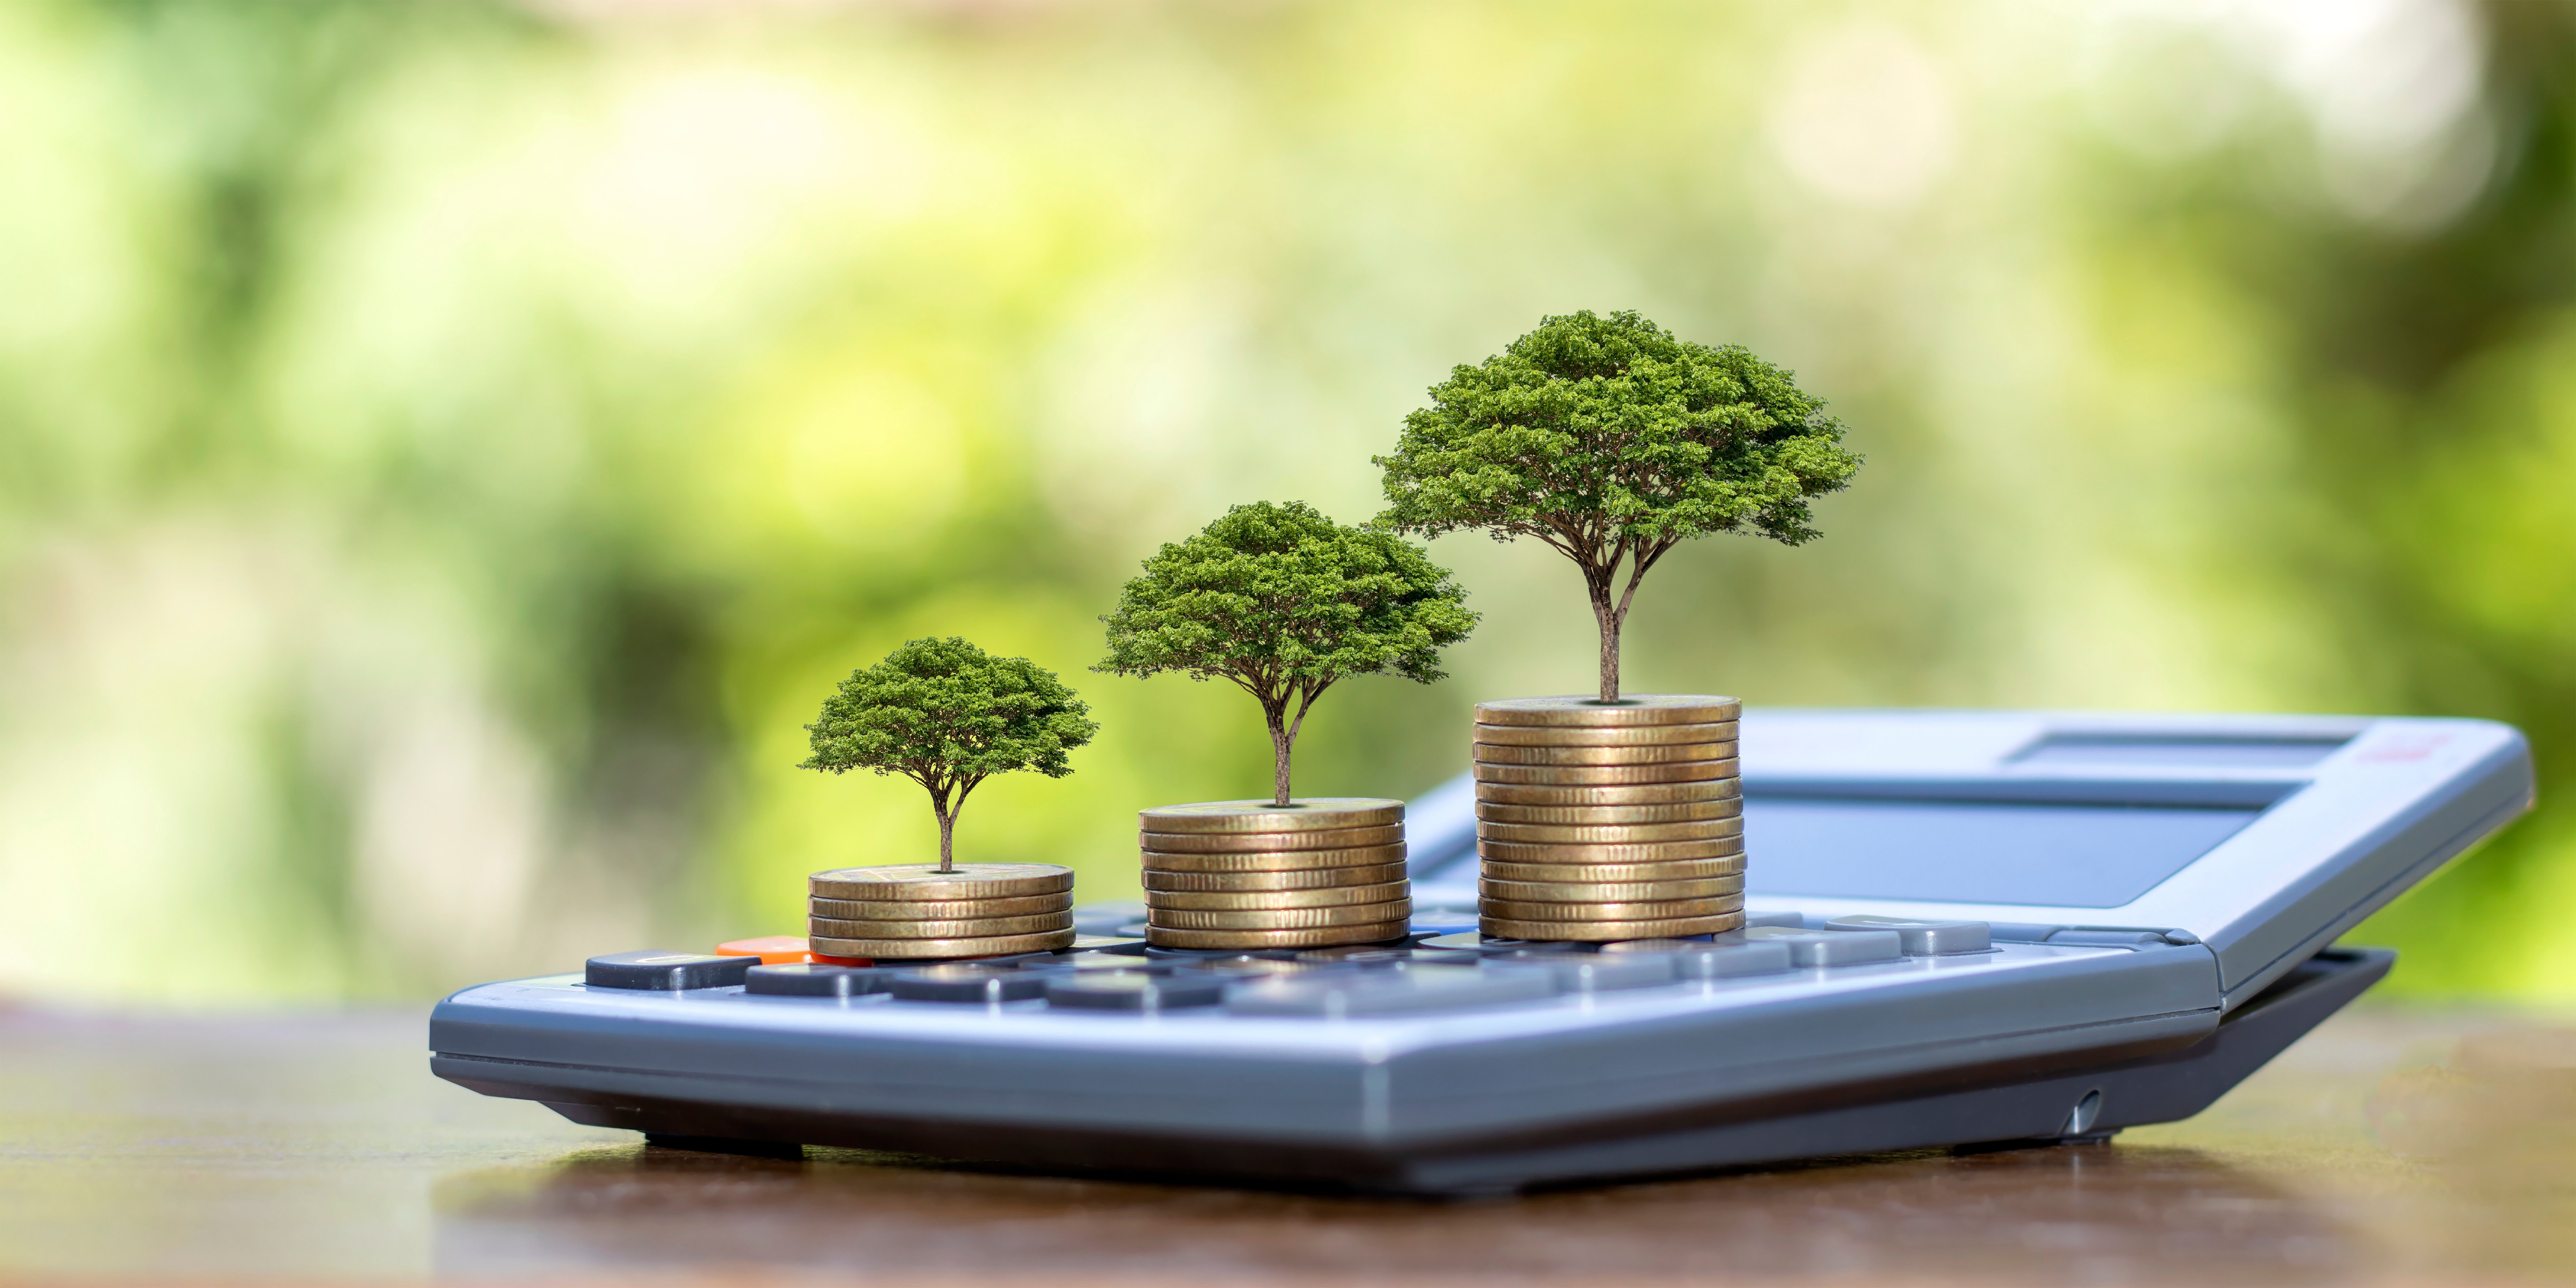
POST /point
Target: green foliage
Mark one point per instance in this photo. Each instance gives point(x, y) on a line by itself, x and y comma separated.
point(1285, 602)
point(1609, 439)
point(948, 715)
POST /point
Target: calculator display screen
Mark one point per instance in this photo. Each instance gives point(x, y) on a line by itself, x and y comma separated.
point(1952, 851)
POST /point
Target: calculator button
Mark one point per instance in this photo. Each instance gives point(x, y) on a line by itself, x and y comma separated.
point(1099, 961)
point(1831, 947)
point(805, 979)
point(1793, 920)
point(1602, 972)
point(663, 969)
point(1923, 938)
point(1145, 992)
point(967, 982)
point(772, 950)
point(1365, 993)
point(1106, 918)
point(1696, 959)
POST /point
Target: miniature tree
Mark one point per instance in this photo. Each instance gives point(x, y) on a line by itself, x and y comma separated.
point(1285, 602)
point(1612, 441)
point(948, 715)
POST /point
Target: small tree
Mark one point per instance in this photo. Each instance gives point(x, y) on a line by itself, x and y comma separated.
point(948, 715)
point(1285, 602)
point(1612, 442)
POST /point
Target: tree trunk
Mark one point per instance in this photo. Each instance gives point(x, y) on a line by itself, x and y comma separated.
point(947, 839)
point(1281, 743)
point(1608, 616)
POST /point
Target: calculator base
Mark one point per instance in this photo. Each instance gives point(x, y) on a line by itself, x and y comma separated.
point(2081, 1103)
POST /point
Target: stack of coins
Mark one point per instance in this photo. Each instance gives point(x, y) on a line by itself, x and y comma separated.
point(1249, 874)
point(915, 912)
point(1603, 821)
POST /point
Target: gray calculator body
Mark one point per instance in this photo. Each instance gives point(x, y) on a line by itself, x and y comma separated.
point(2158, 890)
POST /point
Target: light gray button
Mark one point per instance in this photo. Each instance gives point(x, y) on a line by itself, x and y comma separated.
point(1700, 959)
point(1422, 988)
point(1753, 920)
point(1597, 972)
point(1923, 938)
point(1831, 947)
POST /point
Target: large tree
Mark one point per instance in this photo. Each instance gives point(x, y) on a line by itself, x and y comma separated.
point(949, 715)
point(1612, 441)
point(1284, 602)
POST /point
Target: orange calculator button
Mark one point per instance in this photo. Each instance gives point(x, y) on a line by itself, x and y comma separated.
point(842, 961)
point(772, 950)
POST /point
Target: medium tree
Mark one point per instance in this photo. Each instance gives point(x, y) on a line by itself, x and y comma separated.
point(1284, 602)
point(1612, 441)
point(948, 715)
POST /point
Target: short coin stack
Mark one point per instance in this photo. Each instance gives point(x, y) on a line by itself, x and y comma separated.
point(1602, 821)
point(915, 912)
point(1249, 874)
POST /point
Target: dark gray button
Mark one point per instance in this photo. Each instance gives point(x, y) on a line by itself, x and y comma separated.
point(1923, 938)
point(1831, 947)
point(1106, 918)
point(806, 979)
point(664, 969)
point(1133, 990)
point(1097, 961)
point(1396, 992)
point(1363, 955)
point(967, 982)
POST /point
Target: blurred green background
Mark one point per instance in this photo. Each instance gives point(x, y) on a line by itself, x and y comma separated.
point(447, 450)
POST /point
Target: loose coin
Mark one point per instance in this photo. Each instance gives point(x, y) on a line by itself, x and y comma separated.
point(917, 882)
point(1607, 775)
point(1599, 736)
point(1603, 814)
point(1366, 914)
point(942, 910)
point(1234, 900)
point(935, 949)
point(1321, 814)
point(1674, 753)
point(969, 928)
point(1158, 881)
point(1604, 932)
point(1632, 709)
point(1677, 870)
point(1607, 891)
point(1280, 861)
point(1319, 937)
point(1660, 910)
point(1716, 789)
point(1338, 838)
point(1707, 829)
point(1654, 852)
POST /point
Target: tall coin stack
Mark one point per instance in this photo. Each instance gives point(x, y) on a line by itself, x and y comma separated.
point(1602, 821)
point(1249, 874)
point(915, 912)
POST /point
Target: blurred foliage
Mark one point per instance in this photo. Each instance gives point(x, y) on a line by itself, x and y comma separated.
point(447, 450)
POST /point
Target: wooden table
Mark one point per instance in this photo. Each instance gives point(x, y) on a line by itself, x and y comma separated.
point(2390, 1145)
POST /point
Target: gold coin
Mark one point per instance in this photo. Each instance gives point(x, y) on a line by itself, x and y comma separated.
point(1607, 932)
point(1255, 900)
point(1608, 891)
point(1321, 814)
point(1281, 861)
point(1608, 775)
point(968, 928)
point(940, 949)
point(1706, 829)
point(1630, 709)
point(1339, 838)
point(1673, 753)
point(1365, 914)
point(1676, 870)
point(1597, 815)
point(1651, 852)
point(1319, 937)
point(917, 882)
point(1716, 789)
point(939, 910)
point(1659, 910)
point(1262, 882)
point(1598, 736)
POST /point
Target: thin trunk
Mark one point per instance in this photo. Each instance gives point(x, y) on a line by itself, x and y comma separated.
point(1282, 740)
point(1608, 615)
point(947, 840)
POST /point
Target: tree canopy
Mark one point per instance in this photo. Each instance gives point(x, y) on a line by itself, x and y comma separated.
point(948, 715)
point(1612, 441)
point(1285, 602)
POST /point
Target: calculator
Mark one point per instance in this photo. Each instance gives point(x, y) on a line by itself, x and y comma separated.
point(1964, 929)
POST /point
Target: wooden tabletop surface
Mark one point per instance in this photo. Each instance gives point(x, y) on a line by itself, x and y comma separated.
point(2391, 1145)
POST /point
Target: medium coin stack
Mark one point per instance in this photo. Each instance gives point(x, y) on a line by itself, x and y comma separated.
point(1249, 874)
point(1602, 821)
point(915, 912)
